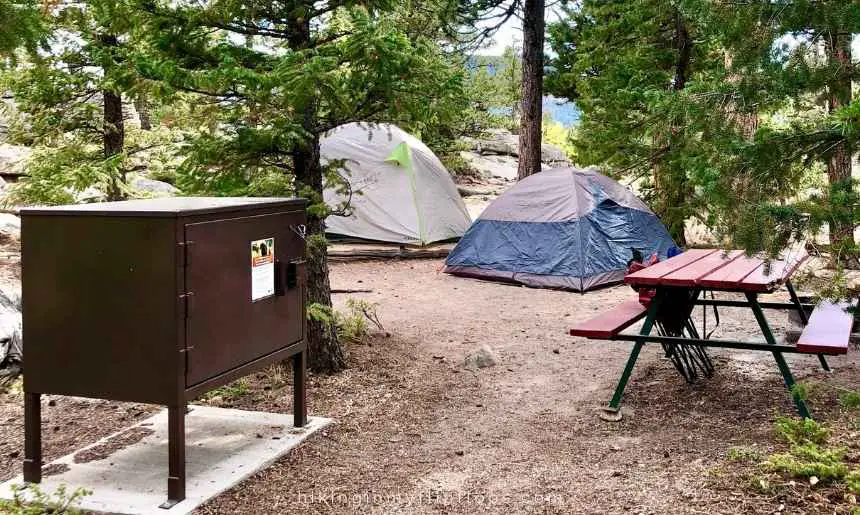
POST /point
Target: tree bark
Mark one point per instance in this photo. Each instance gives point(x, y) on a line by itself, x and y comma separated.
point(745, 120)
point(113, 129)
point(325, 354)
point(141, 105)
point(531, 117)
point(838, 48)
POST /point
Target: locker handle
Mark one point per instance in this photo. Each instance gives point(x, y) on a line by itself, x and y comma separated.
point(287, 275)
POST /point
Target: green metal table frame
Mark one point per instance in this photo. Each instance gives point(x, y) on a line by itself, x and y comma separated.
point(751, 302)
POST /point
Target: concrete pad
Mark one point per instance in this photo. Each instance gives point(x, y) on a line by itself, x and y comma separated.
point(127, 471)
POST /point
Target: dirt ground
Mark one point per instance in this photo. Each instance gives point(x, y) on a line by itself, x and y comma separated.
point(416, 432)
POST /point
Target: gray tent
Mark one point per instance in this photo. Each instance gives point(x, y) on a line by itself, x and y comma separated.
point(402, 193)
point(563, 228)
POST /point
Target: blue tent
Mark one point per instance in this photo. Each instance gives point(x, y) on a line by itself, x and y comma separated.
point(563, 228)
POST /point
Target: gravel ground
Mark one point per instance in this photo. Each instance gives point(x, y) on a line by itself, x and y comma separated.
point(416, 432)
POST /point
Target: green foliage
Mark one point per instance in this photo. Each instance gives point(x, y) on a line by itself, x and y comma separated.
point(700, 106)
point(359, 65)
point(849, 400)
point(808, 460)
point(61, 95)
point(232, 391)
point(800, 391)
point(21, 25)
point(352, 325)
point(810, 456)
point(797, 432)
point(457, 166)
point(560, 136)
point(744, 454)
point(29, 499)
point(620, 61)
point(321, 313)
point(852, 480)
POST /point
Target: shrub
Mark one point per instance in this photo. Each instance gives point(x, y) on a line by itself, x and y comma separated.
point(29, 499)
point(352, 325)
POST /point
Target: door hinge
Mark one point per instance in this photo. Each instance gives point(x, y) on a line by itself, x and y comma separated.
point(184, 248)
point(188, 303)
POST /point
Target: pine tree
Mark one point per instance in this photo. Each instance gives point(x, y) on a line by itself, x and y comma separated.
point(69, 104)
point(793, 61)
point(21, 25)
point(484, 17)
point(271, 79)
point(625, 62)
point(531, 116)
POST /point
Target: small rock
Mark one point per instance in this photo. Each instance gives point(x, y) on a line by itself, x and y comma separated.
point(813, 480)
point(259, 435)
point(481, 358)
point(459, 453)
point(556, 351)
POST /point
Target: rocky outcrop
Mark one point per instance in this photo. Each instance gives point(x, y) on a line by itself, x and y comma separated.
point(11, 341)
point(496, 154)
point(501, 166)
point(502, 142)
point(12, 159)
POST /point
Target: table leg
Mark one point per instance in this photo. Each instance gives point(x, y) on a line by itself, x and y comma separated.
point(803, 318)
point(802, 410)
point(32, 438)
point(615, 403)
point(176, 455)
point(300, 407)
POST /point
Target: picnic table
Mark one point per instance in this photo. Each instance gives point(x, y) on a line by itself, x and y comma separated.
point(682, 282)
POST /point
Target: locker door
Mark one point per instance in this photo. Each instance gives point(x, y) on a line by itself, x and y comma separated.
point(234, 315)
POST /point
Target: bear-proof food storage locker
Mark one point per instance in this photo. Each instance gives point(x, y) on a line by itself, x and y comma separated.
point(159, 301)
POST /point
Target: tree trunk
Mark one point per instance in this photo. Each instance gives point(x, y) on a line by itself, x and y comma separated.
point(745, 120)
point(325, 354)
point(142, 107)
point(114, 129)
point(531, 117)
point(838, 47)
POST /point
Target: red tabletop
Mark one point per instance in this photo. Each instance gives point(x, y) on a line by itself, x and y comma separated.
point(718, 269)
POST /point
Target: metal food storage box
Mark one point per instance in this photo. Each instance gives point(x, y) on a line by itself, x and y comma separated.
point(159, 301)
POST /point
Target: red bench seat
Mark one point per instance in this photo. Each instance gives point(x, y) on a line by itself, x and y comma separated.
point(610, 323)
point(828, 329)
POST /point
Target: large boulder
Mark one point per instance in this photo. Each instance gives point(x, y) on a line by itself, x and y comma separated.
point(10, 228)
point(13, 158)
point(11, 340)
point(500, 166)
point(503, 143)
point(151, 187)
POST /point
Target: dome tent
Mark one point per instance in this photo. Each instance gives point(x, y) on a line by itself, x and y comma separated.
point(402, 193)
point(563, 228)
